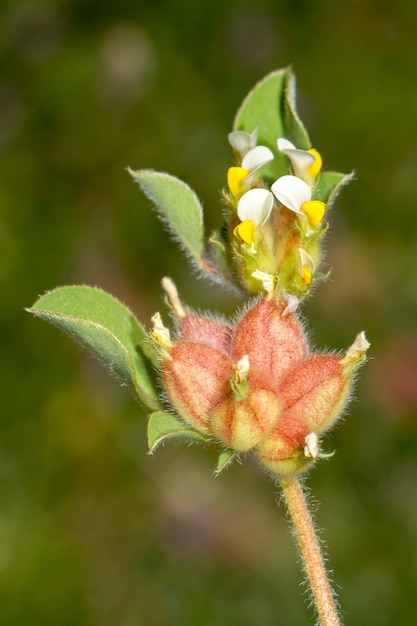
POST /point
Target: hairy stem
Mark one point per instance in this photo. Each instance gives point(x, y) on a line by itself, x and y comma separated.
point(310, 551)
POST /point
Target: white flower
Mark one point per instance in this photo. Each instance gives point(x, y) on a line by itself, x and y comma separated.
point(292, 192)
point(306, 164)
point(240, 178)
point(253, 210)
point(295, 194)
point(255, 205)
point(252, 159)
point(256, 158)
point(242, 142)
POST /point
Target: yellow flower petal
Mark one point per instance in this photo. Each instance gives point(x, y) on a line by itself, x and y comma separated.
point(314, 209)
point(315, 167)
point(235, 175)
point(245, 231)
point(306, 274)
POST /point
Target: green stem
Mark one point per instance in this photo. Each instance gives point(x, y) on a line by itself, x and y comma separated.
point(310, 550)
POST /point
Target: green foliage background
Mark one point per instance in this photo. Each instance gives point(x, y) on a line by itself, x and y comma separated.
point(93, 531)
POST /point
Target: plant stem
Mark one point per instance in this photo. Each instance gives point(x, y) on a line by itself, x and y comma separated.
point(310, 551)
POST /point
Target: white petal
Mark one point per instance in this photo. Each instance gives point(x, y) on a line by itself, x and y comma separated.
point(160, 331)
point(284, 144)
point(306, 260)
point(311, 449)
point(267, 280)
point(292, 192)
point(300, 159)
point(359, 347)
point(255, 205)
point(257, 158)
point(361, 343)
point(242, 142)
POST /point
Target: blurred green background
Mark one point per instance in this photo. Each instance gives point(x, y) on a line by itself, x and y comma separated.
point(94, 532)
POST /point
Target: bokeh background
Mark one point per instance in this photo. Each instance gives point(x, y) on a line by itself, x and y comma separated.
point(94, 532)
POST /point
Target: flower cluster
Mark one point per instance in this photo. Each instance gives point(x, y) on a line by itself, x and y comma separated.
point(275, 230)
point(253, 384)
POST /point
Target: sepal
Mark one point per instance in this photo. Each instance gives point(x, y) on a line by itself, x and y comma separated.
point(225, 459)
point(164, 426)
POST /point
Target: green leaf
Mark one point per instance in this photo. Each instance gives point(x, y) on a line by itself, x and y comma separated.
point(163, 426)
point(270, 107)
point(178, 206)
point(329, 184)
point(293, 127)
point(107, 328)
point(225, 459)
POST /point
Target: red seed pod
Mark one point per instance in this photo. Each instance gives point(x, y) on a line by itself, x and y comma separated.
point(316, 390)
point(272, 337)
point(196, 378)
point(240, 423)
point(283, 450)
point(205, 330)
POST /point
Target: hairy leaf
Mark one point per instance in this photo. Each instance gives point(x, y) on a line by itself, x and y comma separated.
point(106, 327)
point(163, 426)
point(329, 184)
point(178, 206)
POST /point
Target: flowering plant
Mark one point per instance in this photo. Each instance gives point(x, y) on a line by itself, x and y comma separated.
point(251, 383)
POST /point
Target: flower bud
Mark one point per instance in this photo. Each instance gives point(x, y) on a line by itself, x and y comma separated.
point(272, 337)
point(240, 422)
point(196, 378)
point(284, 450)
